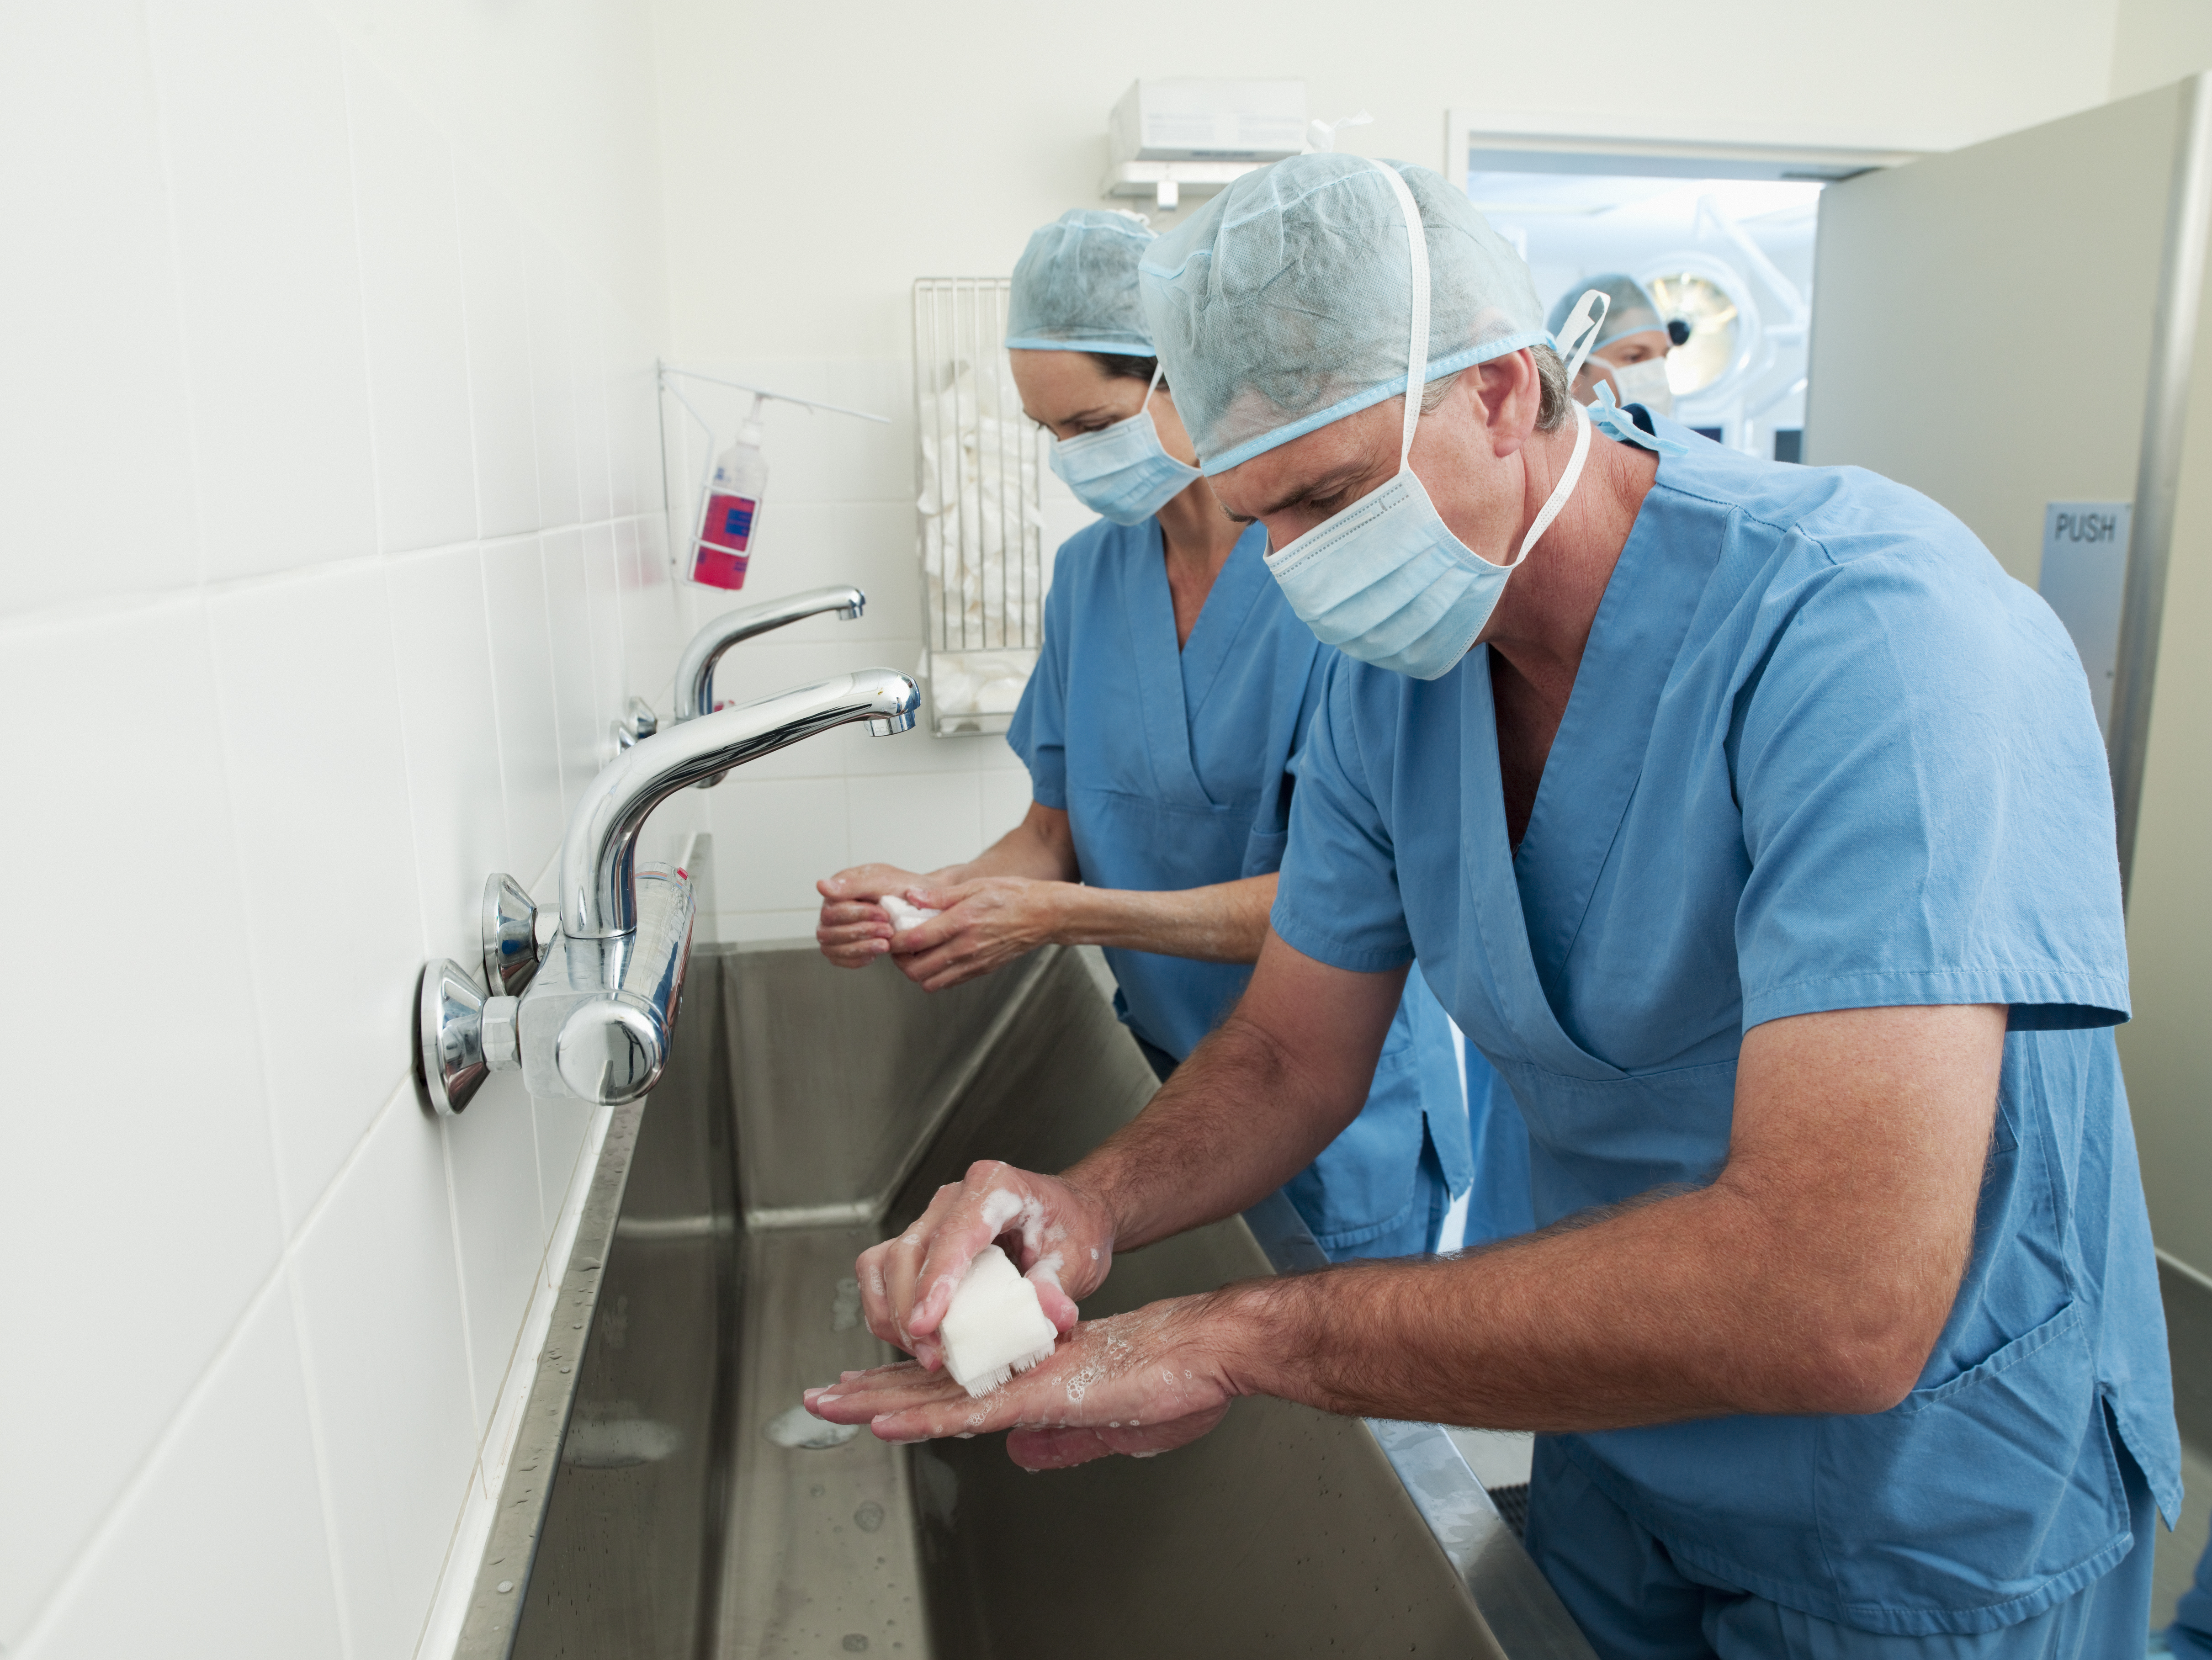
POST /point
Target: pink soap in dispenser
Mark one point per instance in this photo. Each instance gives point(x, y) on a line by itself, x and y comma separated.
point(721, 550)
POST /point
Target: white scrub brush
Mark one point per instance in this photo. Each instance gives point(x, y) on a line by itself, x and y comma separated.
point(904, 915)
point(995, 1326)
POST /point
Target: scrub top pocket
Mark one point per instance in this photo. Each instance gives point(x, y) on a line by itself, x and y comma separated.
point(1929, 1458)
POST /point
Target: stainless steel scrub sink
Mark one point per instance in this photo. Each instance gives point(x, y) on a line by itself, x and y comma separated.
point(808, 1111)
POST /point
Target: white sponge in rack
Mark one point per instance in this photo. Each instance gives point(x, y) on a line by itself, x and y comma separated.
point(995, 1326)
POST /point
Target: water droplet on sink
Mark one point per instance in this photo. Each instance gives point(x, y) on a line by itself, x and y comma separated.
point(505, 1586)
point(855, 1643)
point(869, 1517)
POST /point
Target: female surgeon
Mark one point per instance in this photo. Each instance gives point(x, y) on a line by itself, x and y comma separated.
point(1161, 730)
point(1630, 353)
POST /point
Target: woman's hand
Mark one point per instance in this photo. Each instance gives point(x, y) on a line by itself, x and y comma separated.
point(1059, 1235)
point(1138, 1383)
point(984, 925)
point(853, 931)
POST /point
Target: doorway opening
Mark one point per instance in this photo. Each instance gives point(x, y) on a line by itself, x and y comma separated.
point(1721, 236)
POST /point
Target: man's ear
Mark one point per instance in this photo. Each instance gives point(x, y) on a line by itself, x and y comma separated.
point(1509, 397)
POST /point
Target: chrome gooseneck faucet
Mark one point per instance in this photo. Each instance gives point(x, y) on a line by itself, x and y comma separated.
point(596, 1011)
point(694, 670)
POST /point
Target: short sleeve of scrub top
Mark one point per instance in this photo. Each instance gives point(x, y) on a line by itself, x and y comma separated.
point(1915, 833)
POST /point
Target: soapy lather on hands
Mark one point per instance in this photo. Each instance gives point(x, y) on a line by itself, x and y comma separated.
point(1137, 1384)
point(905, 915)
point(940, 929)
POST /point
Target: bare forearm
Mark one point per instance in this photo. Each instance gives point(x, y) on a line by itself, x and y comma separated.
point(1192, 1157)
point(1224, 923)
point(1663, 1312)
point(1814, 1274)
point(1038, 852)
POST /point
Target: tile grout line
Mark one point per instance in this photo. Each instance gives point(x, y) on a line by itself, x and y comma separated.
point(348, 73)
point(279, 1271)
point(177, 300)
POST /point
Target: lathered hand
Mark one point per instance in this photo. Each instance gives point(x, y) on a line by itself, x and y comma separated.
point(982, 925)
point(1058, 1235)
point(852, 930)
point(1137, 1384)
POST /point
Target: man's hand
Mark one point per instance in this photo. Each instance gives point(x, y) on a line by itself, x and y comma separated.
point(1137, 1384)
point(1060, 1236)
point(853, 931)
point(984, 925)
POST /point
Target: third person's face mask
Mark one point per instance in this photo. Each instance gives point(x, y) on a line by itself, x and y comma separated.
point(1385, 580)
point(1121, 472)
point(1643, 383)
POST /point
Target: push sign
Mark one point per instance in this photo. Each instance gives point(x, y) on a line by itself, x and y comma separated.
point(2085, 568)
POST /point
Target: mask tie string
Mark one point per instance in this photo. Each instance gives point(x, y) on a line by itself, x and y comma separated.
point(1417, 348)
point(1581, 337)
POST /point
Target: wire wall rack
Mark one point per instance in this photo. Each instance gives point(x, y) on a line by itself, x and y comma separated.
point(979, 492)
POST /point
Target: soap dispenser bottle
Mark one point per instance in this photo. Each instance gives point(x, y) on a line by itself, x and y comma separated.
point(721, 550)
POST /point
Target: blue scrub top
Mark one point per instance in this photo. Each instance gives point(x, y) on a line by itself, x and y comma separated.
point(1174, 769)
point(1821, 753)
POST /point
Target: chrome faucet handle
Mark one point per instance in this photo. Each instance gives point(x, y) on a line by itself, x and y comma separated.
point(462, 1037)
point(515, 935)
point(638, 723)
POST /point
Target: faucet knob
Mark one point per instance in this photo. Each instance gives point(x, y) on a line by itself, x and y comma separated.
point(449, 1051)
point(638, 723)
point(462, 1037)
point(512, 945)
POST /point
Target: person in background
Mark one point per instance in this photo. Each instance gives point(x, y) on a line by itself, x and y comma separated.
point(1161, 730)
point(1630, 354)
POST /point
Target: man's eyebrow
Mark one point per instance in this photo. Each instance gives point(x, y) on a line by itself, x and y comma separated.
point(1315, 490)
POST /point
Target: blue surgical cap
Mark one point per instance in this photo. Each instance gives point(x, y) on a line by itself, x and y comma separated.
point(1075, 287)
point(1632, 312)
point(1286, 302)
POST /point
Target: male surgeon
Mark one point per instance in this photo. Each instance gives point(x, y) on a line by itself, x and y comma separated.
point(1755, 826)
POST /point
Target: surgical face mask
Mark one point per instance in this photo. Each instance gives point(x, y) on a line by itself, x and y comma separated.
point(1643, 383)
point(1120, 472)
point(1385, 580)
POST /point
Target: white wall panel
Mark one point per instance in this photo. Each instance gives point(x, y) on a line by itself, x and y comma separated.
point(310, 702)
point(418, 370)
point(96, 481)
point(441, 651)
point(492, 1150)
point(528, 734)
point(498, 322)
point(552, 379)
point(220, 1552)
point(253, 123)
point(379, 1287)
point(277, 356)
point(137, 1196)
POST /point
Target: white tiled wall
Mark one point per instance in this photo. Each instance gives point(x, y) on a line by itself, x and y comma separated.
point(329, 542)
point(839, 508)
